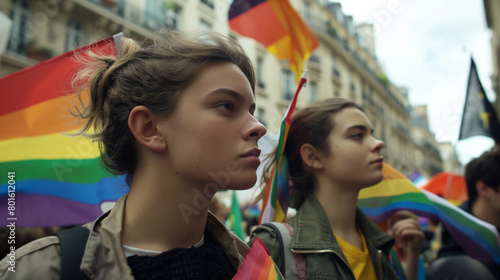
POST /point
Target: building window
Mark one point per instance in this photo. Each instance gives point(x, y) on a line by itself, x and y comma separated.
point(21, 32)
point(74, 35)
point(353, 86)
point(260, 73)
point(173, 16)
point(363, 90)
point(287, 84)
point(203, 26)
point(261, 116)
point(121, 7)
point(314, 58)
point(209, 3)
point(307, 12)
point(133, 12)
point(155, 14)
point(313, 91)
point(335, 71)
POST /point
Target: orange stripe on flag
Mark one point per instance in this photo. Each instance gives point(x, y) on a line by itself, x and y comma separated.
point(300, 41)
point(276, 25)
point(47, 117)
point(266, 268)
point(391, 173)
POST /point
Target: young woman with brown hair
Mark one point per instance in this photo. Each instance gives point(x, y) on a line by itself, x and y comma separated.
point(176, 115)
point(332, 155)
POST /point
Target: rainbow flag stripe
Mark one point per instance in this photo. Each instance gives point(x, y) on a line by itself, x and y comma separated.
point(57, 179)
point(479, 239)
point(289, 38)
point(258, 264)
point(276, 200)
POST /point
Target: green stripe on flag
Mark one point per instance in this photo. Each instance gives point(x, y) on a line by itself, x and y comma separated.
point(74, 170)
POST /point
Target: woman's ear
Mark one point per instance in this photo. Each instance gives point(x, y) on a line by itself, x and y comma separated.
point(310, 156)
point(144, 126)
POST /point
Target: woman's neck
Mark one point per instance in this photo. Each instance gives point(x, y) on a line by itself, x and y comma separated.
point(340, 208)
point(162, 214)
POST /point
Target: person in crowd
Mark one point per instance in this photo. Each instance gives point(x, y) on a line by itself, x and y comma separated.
point(332, 155)
point(403, 226)
point(176, 115)
point(482, 176)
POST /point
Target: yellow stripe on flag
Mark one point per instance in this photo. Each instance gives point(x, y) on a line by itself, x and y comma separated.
point(52, 146)
point(388, 188)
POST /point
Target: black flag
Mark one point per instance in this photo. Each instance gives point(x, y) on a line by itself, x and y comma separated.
point(479, 117)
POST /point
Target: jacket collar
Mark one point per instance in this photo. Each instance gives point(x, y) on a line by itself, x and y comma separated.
point(104, 257)
point(103, 254)
point(312, 230)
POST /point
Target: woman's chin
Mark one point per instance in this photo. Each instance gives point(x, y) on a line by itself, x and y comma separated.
point(243, 184)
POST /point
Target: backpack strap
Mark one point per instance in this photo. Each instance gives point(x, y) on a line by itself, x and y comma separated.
point(292, 265)
point(72, 242)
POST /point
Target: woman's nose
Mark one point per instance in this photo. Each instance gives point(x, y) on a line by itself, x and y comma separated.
point(256, 129)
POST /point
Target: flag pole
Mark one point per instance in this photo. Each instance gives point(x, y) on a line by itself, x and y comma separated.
point(269, 206)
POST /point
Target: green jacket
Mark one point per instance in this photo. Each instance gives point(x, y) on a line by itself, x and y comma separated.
point(324, 259)
point(103, 257)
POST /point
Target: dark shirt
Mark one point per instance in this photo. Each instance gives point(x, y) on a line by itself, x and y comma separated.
point(208, 261)
point(450, 247)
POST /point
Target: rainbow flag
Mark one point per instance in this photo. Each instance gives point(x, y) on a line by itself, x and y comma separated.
point(258, 264)
point(277, 199)
point(479, 239)
point(54, 179)
point(277, 26)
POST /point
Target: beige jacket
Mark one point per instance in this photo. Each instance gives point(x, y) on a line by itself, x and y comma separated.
point(103, 257)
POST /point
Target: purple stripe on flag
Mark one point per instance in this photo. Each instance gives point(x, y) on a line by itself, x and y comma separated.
point(414, 176)
point(33, 210)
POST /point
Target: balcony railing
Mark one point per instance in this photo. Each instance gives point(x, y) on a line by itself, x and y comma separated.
point(153, 15)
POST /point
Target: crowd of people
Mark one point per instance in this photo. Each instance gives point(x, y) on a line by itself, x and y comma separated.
point(195, 121)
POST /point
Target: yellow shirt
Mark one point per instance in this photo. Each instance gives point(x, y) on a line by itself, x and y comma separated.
point(360, 261)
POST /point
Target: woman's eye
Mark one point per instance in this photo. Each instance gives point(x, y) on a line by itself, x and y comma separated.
point(357, 135)
point(226, 106)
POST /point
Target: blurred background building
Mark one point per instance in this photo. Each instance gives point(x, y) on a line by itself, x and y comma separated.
point(492, 12)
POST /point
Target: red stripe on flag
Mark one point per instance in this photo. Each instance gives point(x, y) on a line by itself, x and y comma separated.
point(254, 21)
point(258, 264)
point(45, 80)
point(258, 261)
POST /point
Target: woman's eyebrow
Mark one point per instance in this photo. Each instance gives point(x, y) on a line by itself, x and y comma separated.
point(231, 93)
point(226, 91)
point(360, 127)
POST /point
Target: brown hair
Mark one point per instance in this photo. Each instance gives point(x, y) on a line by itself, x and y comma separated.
point(151, 75)
point(311, 125)
point(484, 168)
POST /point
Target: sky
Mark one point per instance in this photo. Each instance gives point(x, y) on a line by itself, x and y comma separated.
point(425, 45)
